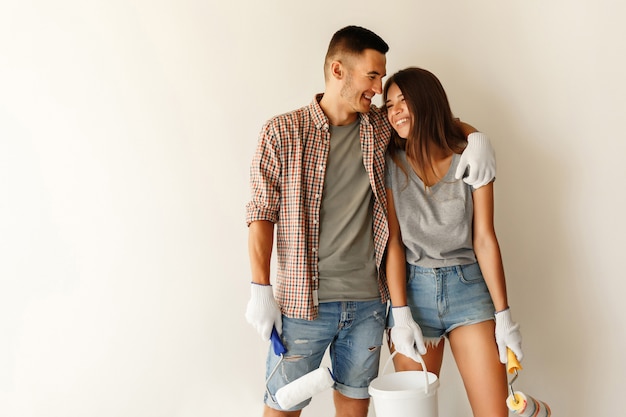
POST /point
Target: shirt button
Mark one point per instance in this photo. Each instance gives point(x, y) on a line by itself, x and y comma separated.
point(314, 250)
point(317, 196)
point(315, 221)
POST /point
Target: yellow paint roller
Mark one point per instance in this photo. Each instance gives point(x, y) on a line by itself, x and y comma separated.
point(512, 364)
point(519, 403)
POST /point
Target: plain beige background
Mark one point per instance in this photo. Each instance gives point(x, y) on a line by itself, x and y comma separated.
point(126, 130)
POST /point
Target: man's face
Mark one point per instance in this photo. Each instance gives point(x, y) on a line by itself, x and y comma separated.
point(363, 79)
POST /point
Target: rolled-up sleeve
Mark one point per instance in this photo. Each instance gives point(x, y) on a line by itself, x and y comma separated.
point(265, 178)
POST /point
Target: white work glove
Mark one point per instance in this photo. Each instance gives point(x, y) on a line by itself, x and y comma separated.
point(508, 335)
point(406, 335)
point(263, 311)
point(480, 158)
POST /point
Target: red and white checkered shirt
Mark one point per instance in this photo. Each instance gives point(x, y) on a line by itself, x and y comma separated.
point(287, 178)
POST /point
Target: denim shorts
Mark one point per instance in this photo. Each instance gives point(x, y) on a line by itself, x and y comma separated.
point(442, 299)
point(354, 332)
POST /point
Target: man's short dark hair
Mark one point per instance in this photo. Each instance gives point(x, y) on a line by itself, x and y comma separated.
point(353, 40)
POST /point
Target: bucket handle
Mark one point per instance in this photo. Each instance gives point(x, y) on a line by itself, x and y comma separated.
point(421, 361)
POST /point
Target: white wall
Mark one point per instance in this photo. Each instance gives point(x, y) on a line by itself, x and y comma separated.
point(126, 130)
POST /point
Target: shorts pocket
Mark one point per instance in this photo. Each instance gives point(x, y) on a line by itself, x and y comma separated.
point(470, 274)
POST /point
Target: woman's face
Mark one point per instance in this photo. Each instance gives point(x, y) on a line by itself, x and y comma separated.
point(398, 112)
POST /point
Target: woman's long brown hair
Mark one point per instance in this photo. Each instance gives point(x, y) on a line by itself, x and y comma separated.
point(433, 122)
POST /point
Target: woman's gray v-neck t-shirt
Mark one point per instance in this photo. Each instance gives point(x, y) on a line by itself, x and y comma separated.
point(435, 222)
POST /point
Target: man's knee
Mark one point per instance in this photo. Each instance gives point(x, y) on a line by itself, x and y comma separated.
point(350, 407)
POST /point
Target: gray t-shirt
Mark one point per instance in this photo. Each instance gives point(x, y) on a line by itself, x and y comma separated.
point(347, 263)
point(435, 222)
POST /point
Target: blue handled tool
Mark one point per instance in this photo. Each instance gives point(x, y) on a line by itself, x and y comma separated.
point(279, 350)
point(277, 343)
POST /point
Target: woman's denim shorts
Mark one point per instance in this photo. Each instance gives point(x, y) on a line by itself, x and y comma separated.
point(442, 299)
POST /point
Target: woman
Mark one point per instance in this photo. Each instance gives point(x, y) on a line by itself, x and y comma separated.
point(444, 267)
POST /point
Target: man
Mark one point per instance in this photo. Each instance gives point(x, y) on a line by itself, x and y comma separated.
point(318, 174)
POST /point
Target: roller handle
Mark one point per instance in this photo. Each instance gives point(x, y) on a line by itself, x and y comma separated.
point(277, 343)
point(512, 364)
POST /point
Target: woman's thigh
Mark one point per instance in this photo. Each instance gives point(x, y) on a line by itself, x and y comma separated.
point(476, 354)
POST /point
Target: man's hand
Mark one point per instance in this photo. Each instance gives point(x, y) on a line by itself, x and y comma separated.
point(480, 158)
point(263, 311)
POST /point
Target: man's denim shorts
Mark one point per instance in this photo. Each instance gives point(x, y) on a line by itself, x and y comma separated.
point(442, 299)
point(353, 330)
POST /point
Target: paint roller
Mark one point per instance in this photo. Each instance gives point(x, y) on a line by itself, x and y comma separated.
point(519, 403)
point(300, 389)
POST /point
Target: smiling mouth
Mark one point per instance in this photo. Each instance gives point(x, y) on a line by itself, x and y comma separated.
point(402, 121)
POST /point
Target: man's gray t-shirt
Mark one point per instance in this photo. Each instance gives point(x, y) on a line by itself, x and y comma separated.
point(347, 263)
point(435, 222)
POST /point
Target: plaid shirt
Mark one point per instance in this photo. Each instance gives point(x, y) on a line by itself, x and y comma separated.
point(287, 178)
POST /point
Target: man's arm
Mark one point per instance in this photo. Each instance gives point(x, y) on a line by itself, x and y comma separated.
point(478, 160)
point(262, 312)
point(260, 243)
point(466, 128)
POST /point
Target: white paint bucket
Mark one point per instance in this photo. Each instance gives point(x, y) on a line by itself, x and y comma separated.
point(406, 393)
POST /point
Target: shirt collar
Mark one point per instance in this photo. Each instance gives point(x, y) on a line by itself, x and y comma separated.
point(320, 119)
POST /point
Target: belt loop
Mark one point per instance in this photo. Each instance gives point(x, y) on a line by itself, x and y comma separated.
point(459, 271)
